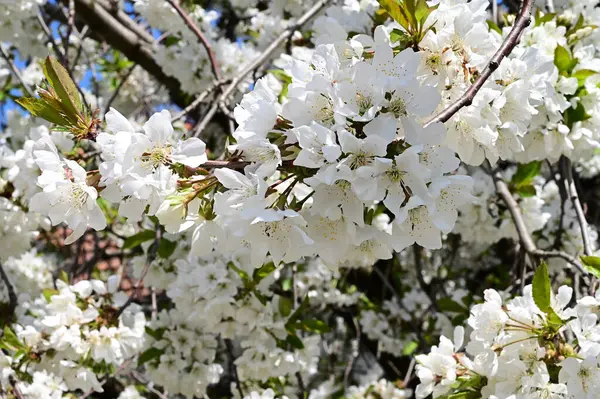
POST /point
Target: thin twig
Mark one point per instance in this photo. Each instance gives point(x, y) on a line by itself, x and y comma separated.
point(50, 36)
point(426, 288)
point(12, 296)
point(562, 189)
point(301, 385)
point(354, 355)
point(232, 367)
point(567, 170)
point(126, 21)
point(521, 255)
point(523, 20)
point(70, 27)
point(200, 36)
point(154, 304)
point(142, 379)
point(197, 101)
point(258, 61)
point(409, 371)
point(524, 236)
point(294, 286)
point(216, 164)
point(15, 71)
point(84, 31)
point(495, 11)
point(119, 87)
point(16, 389)
point(152, 251)
point(550, 5)
point(119, 370)
point(206, 119)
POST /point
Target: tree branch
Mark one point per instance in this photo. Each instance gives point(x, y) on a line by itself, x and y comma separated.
point(233, 367)
point(151, 255)
point(148, 384)
point(206, 119)
point(125, 20)
point(196, 101)
point(258, 61)
point(353, 356)
point(523, 20)
point(15, 71)
point(110, 29)
point(16, 389)
point(119, 87)
point(567, 170)
point(70, 27)
point(524, 236)
point(200, 36)
point(12, 296)
point(50, 36)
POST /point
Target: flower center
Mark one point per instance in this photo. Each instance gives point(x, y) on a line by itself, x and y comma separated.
point(394, 175)
point(78, 196)
point(398, 107)
point(157, 156)
point(364, 102)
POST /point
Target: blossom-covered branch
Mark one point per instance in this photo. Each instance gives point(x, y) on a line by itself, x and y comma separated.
point(524, 235)
point(320, 228)
point(512, 39)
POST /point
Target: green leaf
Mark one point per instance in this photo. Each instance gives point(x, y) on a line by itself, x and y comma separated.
point(40, 108)
point(464, 395)
point(299, 310)
point(410, 348)
point(286, 284)
point(409, 8)
point(63, 85)
point(156, 334)
point(527, 191)
point(542, 294)
point(397, 14)
point(285, 306)
point(243, 275)
point(11, 340)
point(563, 60)
point(281, 75)
point(139, 238)
point(554, 320)
point(578, 25)
point(448, 305)
point(63, 276)
point(423, 10)
point(582, 75)
point(526, 172)
point(315, 325)
point(150, 354)
point(592, 264)
point(18, 354)
point(574, 115)
point(171, 41)
point(492, 25)
point(545, 18)
point(541, 288)
point(166, 248)
point(263, 271)
point(294, 341)
point(397, 35)
point(48, 293)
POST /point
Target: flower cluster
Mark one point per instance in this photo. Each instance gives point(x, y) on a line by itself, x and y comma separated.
point(531, 346)
point(73, 335)
point(333, 232)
